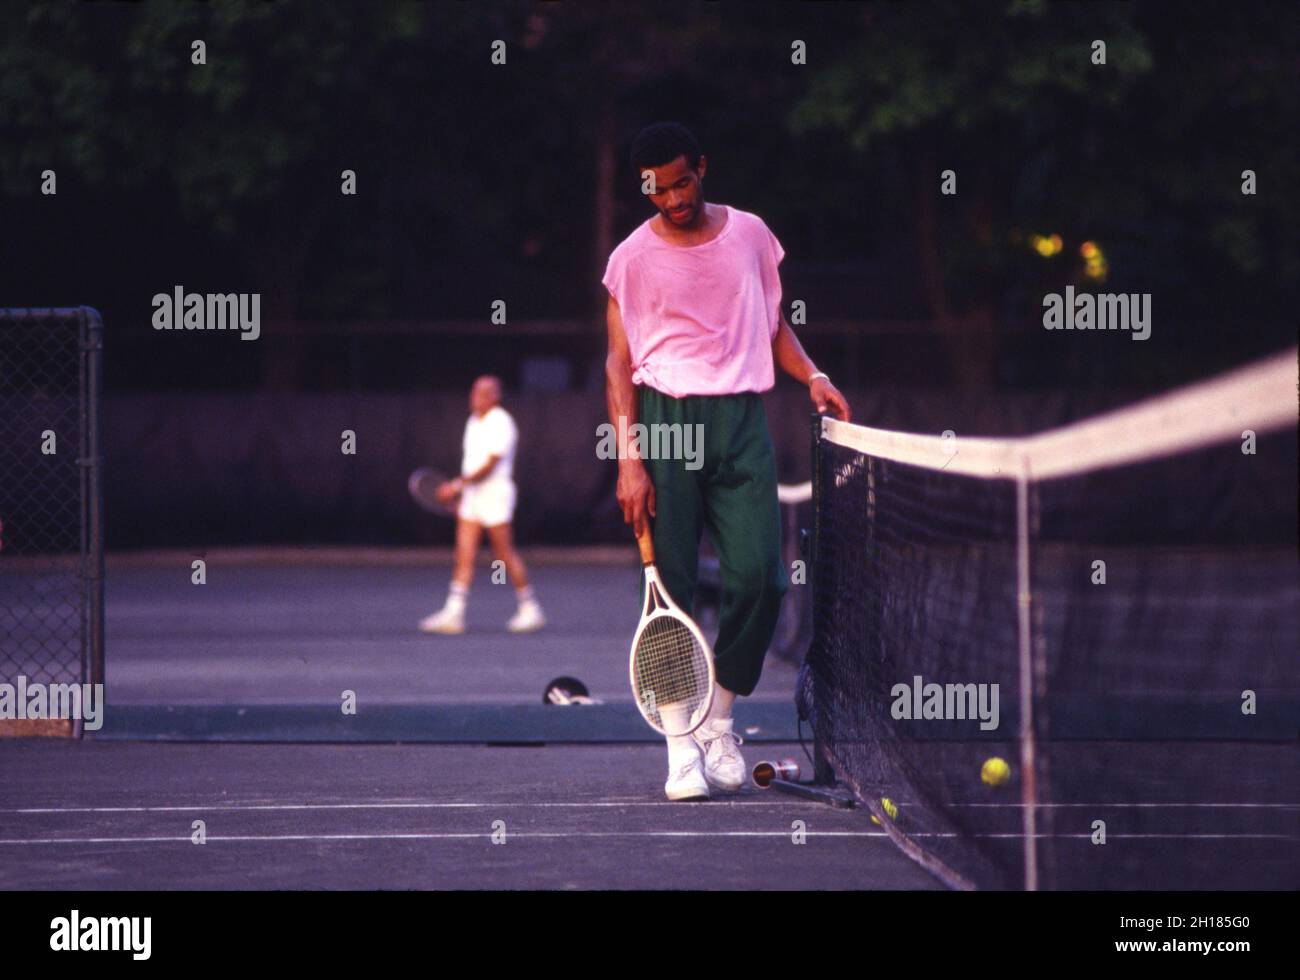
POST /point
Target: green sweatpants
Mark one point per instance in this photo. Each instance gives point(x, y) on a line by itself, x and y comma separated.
point(728, 488)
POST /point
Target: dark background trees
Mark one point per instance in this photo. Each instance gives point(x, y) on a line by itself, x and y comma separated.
point(480, 182)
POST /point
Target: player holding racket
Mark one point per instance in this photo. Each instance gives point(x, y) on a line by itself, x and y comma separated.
point(486, 493)
point(695, 331)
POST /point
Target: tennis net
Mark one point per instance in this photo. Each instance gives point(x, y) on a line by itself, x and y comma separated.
point(1111, 607)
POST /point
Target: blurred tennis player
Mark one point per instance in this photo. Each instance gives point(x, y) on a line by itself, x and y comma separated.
point(486, 490)
point(695, 330)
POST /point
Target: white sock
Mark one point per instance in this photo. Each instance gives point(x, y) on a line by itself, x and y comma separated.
point(525, 596)
point(456, 599)
point(717, 716)
point(681, 748)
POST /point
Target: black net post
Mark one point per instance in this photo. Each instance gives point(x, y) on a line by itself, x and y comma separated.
point(822, 772)
point(92, 498)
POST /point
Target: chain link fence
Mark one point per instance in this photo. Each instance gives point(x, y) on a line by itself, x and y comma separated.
point(51, 515)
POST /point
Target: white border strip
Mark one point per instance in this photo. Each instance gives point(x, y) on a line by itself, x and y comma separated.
point(1261, 396)
point(973, 456)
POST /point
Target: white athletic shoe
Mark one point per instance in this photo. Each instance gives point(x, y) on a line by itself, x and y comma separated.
point(724, 766)
point(686, 781)
point(443, 621)
point(526, 619)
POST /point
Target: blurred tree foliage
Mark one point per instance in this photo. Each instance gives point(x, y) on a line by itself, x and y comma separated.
point(1142, 155)
point(480, 182)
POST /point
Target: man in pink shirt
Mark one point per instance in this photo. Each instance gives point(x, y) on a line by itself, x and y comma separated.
point(695, 334)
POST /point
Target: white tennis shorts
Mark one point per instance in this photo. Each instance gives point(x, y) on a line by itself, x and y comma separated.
point(490, 504)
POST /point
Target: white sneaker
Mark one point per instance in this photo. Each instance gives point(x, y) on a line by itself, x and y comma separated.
point(686, 781)
point(443, 621)
point(527, 619)
point(724, 766)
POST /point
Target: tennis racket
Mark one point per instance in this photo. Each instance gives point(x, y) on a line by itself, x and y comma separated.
point(423, 486)
point(671, 666)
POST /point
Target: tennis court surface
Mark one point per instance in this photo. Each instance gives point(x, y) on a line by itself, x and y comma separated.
point(120, 815)
point(567, 797)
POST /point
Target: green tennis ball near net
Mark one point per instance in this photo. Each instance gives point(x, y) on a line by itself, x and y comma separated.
point(891, 811)
point(995, 771)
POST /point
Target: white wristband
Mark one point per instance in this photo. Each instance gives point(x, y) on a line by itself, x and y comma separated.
point(819, 374)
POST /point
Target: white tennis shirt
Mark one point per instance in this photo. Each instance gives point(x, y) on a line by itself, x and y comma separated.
point(492, 435)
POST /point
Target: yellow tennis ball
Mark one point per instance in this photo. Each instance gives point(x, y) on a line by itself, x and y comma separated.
point(995, 771)
point(890, 810)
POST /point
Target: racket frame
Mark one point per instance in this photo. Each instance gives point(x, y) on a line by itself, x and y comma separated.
point(428, 504)
point(659, 604)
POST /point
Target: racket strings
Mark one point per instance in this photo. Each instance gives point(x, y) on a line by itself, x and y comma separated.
point(672, 672)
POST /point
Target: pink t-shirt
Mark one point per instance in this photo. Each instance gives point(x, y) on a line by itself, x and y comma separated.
point(700, 319)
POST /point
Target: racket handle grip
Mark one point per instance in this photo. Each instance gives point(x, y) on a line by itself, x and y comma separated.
point(646, 542)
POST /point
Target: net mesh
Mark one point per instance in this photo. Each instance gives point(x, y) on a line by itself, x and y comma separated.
point(1143, 674)
point(1100, 628)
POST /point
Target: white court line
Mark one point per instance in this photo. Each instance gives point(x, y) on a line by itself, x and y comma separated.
point(1093, 806)
point(1114, 836)
point(484, 835)
point(781, 801)
point(577, 835)
point(181, 808)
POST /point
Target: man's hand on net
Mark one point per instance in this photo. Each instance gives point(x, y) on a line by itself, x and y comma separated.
point(826, 396)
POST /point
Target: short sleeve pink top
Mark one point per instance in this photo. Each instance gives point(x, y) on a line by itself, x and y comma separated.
point(700, 319)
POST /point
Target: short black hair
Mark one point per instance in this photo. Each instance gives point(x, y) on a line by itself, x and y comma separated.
point(664, 142)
